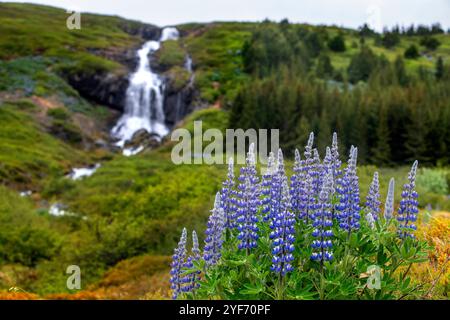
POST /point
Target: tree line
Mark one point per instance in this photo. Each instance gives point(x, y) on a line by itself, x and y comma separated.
point(393, 114)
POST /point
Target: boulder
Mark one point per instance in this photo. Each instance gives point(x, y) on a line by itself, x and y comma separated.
point(145, 139)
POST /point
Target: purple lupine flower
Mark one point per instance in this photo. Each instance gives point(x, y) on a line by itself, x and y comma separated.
point(323, 222)
point(316, 172)
point(214, 234)
point(328, 160)
point(302, 197)
point(248, 203)
point(178, 260)
point(328, 166)
point(336, 163)
point(305, 183)
point(309, 160)
point(308, 148)
point(190, 280)
point(348, 190)
point(389, 205)
point(407, 212)
point(297, 182)
point(276, 187)
point(227, 197)
point(266, 184)
point(282, 235)
point(373, 198)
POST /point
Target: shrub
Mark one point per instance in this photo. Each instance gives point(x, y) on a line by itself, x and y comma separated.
point(433, 180)
point(430, 43)
point(337, 43)
point(58, 113)
point(411, 52)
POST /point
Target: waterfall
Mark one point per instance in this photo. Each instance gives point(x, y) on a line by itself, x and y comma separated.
point(144, 102)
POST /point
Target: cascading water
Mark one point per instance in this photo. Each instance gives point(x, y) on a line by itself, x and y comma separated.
point(144, 104)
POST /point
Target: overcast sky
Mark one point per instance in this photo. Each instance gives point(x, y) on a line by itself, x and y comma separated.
point(349, 13)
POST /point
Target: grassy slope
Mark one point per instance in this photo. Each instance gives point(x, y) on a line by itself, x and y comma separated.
point(28, 154)
point(30, 30)
point(216, 53)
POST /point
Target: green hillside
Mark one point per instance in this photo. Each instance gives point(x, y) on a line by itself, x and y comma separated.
point(126, 218)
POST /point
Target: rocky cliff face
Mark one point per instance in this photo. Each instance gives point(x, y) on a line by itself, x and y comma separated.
point(178, 103)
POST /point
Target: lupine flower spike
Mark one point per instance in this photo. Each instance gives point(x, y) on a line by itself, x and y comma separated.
point(266, 184)
point(190, 280)
point(282, 235)
point(306, 187)
point(407, 212)
point(389, 205)
point(247, 203)
point(316, 172)
point(348, 190)
point(328, 166)
point(373, 198)
point(322, 223)
point(227, 197)
point(214, 234)
point(335, 157)
point(308, 164)
point(276, 188)
point(178, 260)
point(297, 183)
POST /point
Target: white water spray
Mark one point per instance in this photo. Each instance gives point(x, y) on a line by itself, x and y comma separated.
point(144, 104)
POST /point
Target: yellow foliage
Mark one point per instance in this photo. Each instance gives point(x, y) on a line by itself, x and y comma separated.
point(436, 271)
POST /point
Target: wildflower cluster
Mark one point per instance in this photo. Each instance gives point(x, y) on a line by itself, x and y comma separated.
point(288, 225)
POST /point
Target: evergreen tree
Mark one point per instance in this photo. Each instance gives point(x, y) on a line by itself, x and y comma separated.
point(324, 68)
point(382, 151)
point(439, 68)
point(400, 71)
point(411, 52)
point(430, 43)
point(362, 65)
point(337, 43)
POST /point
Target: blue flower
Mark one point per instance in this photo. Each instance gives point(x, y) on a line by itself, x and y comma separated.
point(248, 201)
point(407, 212)
point(178, 260)
point(282, 235)
point(301, 190)
point(373, 198)
point(276, 187)
point(336, 163)
point(266, 185)
point(348, 190)
point(389, 205)
point(227, 197)
point(316, 172)
point(214, 234)
point(322, 245)
point(190, 280)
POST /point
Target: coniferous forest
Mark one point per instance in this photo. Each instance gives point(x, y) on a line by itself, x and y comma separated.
point(393, 114)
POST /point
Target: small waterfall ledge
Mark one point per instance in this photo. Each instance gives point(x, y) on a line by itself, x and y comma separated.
point(144, 102)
